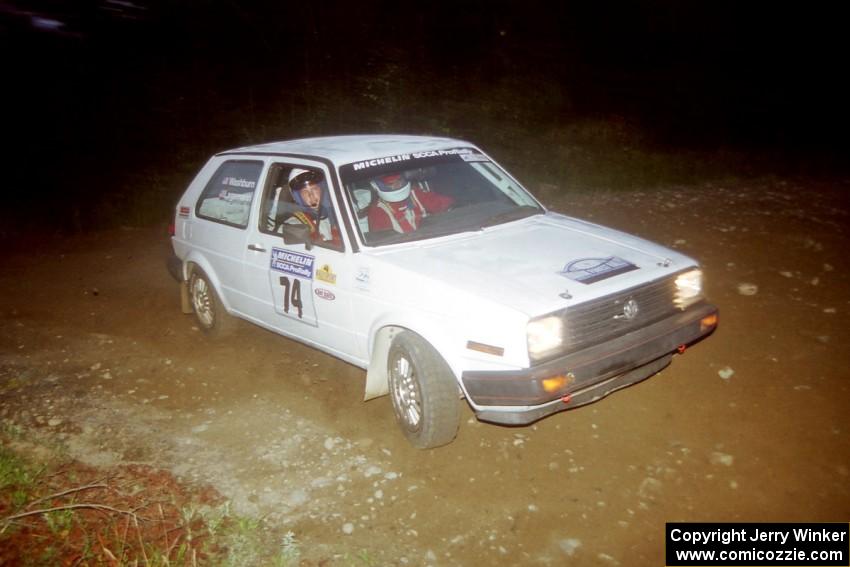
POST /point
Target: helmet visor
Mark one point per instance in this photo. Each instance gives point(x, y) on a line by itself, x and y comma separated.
point(305, 179)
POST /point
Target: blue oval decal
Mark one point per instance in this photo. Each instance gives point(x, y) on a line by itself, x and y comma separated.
point(325, 294)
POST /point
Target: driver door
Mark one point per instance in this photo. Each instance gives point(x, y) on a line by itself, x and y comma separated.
point(300, 289)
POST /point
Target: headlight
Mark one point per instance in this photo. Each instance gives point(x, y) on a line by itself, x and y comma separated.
point(545, 335)
point(688, 288)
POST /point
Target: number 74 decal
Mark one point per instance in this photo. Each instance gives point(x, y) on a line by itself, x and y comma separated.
point(292, 295)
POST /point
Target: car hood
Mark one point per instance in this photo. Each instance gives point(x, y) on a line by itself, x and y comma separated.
point(539, 264)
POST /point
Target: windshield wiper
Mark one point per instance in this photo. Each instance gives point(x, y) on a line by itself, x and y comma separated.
point(511, 215)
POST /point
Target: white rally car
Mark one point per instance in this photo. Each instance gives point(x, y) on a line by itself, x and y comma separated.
point(424, 262)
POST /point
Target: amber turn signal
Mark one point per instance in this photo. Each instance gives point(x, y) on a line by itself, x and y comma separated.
point(555, 383)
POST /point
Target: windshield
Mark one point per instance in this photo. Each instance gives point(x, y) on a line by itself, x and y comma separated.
point(418, 196)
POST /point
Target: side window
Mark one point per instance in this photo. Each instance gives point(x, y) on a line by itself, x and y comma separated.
point(277, 199)
point(227, 197)
point(311, 204)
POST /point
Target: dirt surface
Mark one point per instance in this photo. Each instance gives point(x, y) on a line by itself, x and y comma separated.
point(749, 425)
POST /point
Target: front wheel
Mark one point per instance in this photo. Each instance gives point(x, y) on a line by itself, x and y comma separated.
point(424, 392)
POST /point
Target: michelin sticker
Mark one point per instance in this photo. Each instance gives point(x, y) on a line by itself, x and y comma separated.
point(591, 270)
point(293, 263)
point(401, 158)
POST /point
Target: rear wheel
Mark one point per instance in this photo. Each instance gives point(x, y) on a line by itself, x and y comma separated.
point(212, 317)
point(424, 392)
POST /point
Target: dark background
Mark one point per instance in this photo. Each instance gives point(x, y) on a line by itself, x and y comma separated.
point(110, 106)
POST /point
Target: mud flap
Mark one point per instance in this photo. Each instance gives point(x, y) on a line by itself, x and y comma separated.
point(376, 374)
point(185, 303)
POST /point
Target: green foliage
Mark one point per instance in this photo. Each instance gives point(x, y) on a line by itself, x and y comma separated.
point(361, 558)
point(214, 534)
point(59, 521)
point(290, 551)
point(214, 518)
point(243, 542)
point(11, 430)
point(19, 498)
point(15, 473)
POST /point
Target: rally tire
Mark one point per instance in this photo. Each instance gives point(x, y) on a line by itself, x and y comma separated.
point(212, 317)
point(424, 392)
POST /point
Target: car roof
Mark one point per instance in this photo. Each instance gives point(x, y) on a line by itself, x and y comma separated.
point(347, 149)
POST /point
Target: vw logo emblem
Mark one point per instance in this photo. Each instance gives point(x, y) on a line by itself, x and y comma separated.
point(630, 310)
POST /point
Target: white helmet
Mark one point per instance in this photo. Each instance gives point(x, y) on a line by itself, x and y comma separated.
point(296, 171)
point(300, 178)
point(393, 187)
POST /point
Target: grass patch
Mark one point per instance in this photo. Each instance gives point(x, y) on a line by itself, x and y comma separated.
point(135, 515)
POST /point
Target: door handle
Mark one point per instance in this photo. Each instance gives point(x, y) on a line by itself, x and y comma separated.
point(256, 248)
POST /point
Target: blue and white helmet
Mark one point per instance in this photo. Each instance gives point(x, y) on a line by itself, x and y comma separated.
point(300, 179)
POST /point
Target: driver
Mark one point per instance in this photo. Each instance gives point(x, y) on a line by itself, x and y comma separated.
point(308, 191)
point(401, 206)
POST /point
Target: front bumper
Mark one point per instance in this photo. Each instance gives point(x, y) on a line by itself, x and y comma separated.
point(518, 396)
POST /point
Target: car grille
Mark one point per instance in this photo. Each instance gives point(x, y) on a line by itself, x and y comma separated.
point(607, 317)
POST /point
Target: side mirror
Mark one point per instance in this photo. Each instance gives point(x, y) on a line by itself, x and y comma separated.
point(297, 234)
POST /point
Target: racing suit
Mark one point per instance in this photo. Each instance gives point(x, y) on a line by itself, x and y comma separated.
point(406, 215)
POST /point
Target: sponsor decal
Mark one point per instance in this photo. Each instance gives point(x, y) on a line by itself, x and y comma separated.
point(326, 274)
point(232, 197)
point(325, 294)
point(400, 158)
point(362, 279)
point(184, 211)
point(591, 270)
point(474, 157)
point(363, 275)
point(299, 265)
point(238, 182)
